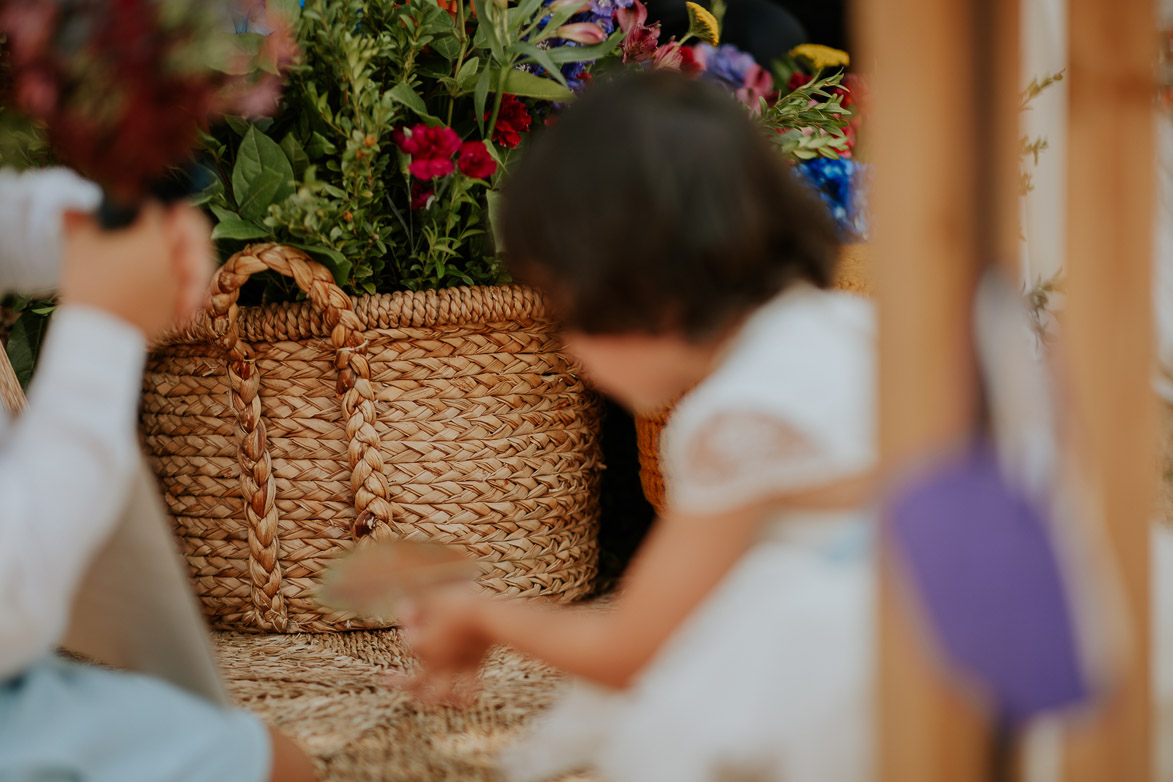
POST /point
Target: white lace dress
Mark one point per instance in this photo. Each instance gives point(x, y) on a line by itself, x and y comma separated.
point(769, 679)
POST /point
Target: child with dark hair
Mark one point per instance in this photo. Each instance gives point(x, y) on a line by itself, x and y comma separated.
point(682, 256)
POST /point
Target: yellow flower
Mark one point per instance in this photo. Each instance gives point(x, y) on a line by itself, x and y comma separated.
point(702, 24)
point(821, 56)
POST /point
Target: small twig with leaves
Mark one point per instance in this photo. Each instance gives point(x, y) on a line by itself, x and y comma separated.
point(810, 121)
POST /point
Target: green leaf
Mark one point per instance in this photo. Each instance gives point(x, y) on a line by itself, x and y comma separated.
point(235, 228)
point(527, 85)
point(493, 202)
point(486, 13)
point(447, 46)
point(467, 72)
point(403, 93)
point(262, 175)
point(239, 125)
point(480, 38)
point(296, 155)
point(565, 54)
point(215, 188)
point(541, 57)
point(523, 14)
point(222, 213)
point(481, 97)
point(319, 147)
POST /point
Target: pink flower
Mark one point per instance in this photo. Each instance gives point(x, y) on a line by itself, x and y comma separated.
point(700, 55)
point(475, 160)
point(28, 27)
point(257, 100)
point(758, 84)
point(668, 57)
point(582, 32)
point(639, 40)
point(635, 16)
point(640, 44)
point(36, 91)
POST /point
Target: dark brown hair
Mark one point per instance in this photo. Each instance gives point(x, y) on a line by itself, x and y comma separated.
point(656, 205)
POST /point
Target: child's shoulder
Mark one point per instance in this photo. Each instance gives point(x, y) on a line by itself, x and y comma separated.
point(802, 368)
point(804, 342)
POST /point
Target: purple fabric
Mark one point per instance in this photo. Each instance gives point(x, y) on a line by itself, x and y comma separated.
point(981, 560)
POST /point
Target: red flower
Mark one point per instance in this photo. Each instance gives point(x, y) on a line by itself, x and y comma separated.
point(475, 161)
point(431, 167)
point(421, 195)
point(431, 149)
point(845, 94)
point(853, 90)
point(690, 66)
point(797, 79)
point(425, 141)
point(512, 121)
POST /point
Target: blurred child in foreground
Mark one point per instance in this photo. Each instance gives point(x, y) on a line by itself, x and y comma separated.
point(66, 467)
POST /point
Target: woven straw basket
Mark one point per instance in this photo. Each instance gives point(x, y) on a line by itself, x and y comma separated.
point(851, 275)
point(285, 434)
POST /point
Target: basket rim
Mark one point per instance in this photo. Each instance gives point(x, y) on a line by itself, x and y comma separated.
point(514, 303)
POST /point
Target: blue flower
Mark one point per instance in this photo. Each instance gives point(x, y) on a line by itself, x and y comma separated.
point(726, 64)
point(602, 13)
point(609, 7)
point(838, 184)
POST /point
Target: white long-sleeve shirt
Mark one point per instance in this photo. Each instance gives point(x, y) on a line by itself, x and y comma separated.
point(66, 464)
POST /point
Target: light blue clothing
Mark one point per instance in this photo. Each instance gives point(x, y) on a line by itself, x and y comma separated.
point(62, 721)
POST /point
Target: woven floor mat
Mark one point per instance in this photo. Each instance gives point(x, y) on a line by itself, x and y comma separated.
point(323, 690)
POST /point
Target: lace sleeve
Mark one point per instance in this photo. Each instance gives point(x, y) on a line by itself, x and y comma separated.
point(733, 459)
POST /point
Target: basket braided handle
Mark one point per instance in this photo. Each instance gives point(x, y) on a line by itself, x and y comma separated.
point(11, 395)
point(367, 479)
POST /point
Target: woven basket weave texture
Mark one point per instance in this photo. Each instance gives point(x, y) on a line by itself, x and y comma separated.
point(285, 434)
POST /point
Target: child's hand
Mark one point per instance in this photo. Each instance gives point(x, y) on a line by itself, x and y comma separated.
point(445, 631)
point(193, 259)
point(150, 274)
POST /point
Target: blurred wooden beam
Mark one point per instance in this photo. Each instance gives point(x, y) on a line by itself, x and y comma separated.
point(1108, 322)
point(924, 128)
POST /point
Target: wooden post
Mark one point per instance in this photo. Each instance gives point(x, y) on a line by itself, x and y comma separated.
point(927, 214)
point(922, 128)
point(1108, 323)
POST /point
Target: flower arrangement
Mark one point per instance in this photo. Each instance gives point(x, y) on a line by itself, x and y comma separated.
point(400, 120)
point(121, 91)
point(825, 156)
point(814, 116)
